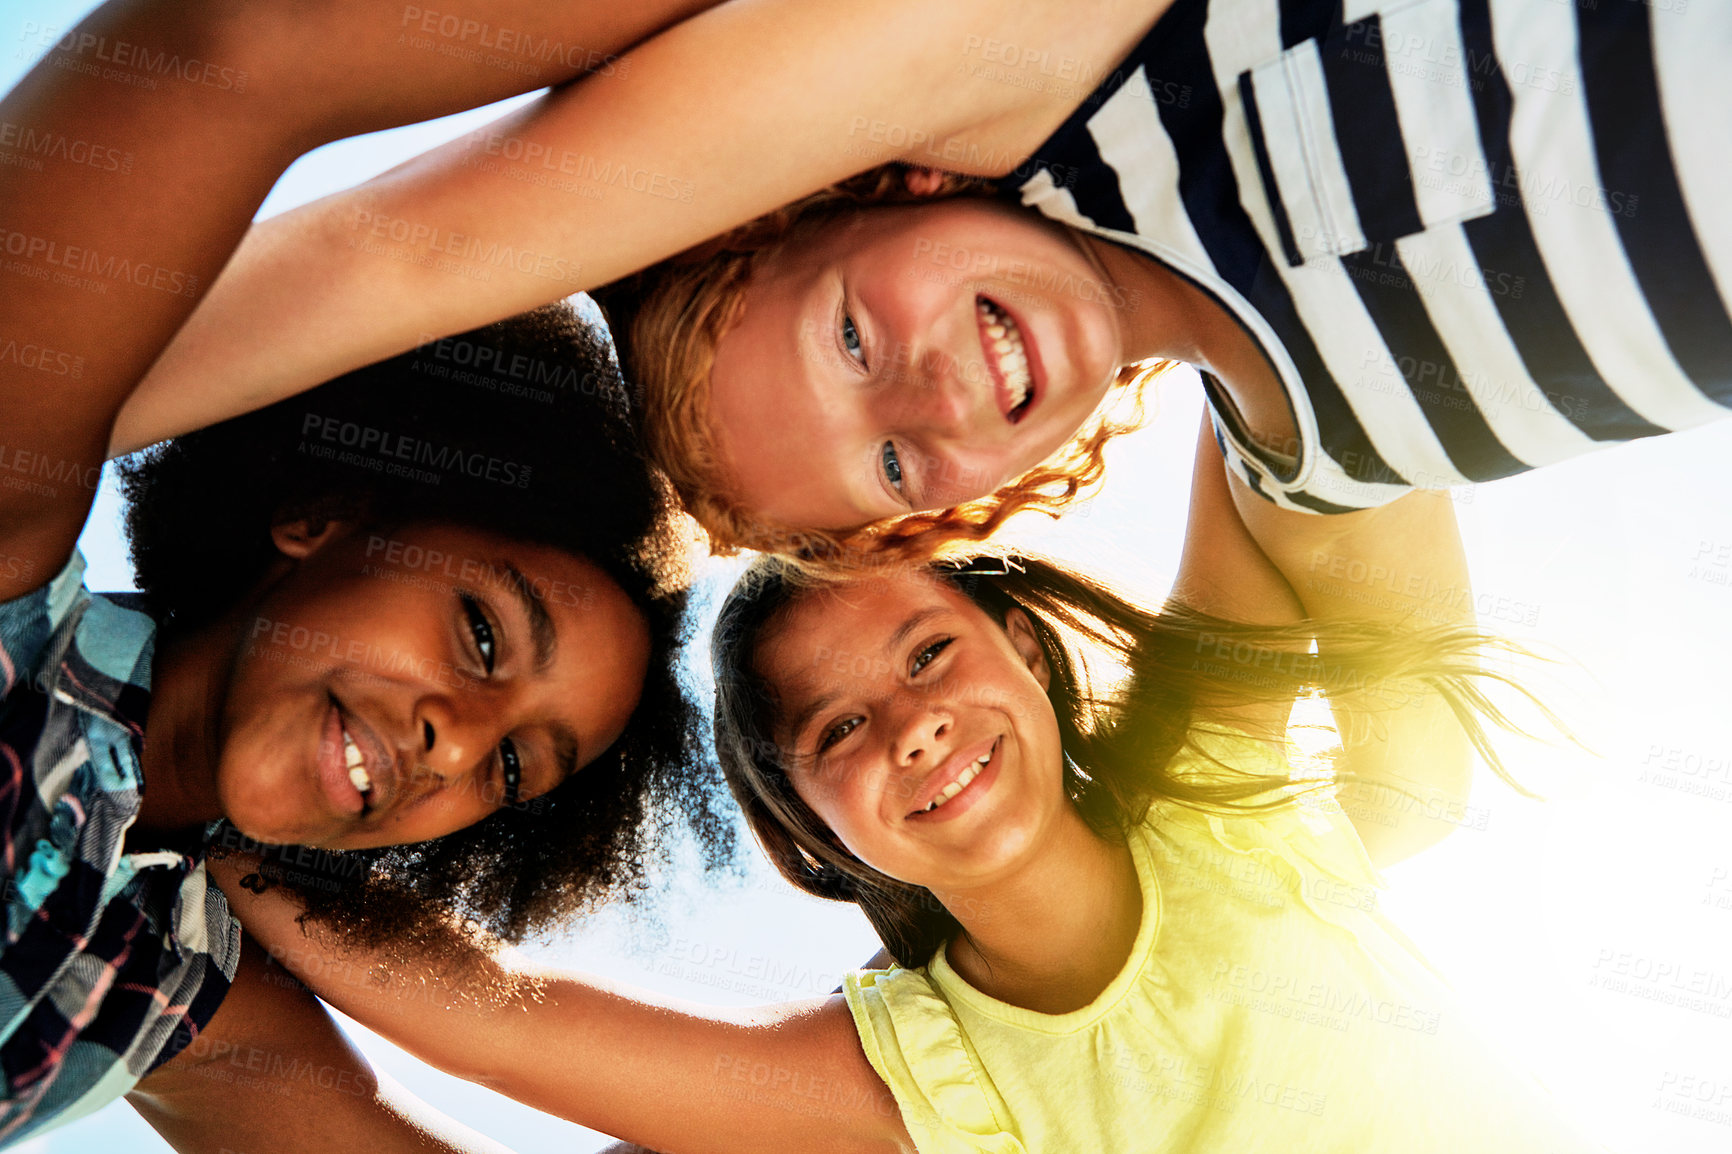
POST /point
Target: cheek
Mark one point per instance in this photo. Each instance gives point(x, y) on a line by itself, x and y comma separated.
point(260, 801)
point(842, 800)
point(968, 472)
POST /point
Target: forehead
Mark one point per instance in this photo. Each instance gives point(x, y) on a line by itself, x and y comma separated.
point(787, 409)
point(603, 646)
point(439, 554)
point(851, 631)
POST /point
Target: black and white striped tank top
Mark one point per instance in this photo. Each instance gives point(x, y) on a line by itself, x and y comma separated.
point(1471, 236)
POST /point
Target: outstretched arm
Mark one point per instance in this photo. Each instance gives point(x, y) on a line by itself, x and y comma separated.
point(194, 108)
point(673, 1077)
point(1400, 565)
point(272, 1074)
point(717, 120)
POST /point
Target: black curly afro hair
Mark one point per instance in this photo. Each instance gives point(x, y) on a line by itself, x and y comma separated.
point(522, 429)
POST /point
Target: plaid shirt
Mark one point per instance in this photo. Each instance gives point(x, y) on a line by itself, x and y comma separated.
point(111, 962)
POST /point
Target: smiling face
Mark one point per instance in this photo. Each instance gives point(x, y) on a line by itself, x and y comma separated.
point(918, 729)
point(910, 357)
point(396, 687)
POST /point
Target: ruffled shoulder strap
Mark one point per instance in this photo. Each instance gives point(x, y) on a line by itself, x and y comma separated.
point(914, 1042)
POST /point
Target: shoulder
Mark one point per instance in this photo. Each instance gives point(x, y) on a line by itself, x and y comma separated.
point(33, 618)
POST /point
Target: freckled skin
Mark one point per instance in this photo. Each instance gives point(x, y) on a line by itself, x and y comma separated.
point(909, 278)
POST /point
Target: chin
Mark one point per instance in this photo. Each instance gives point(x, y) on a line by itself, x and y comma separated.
point(268, 833)
point(271, 827)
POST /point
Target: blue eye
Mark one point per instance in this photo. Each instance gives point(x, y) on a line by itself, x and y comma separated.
point(851, 339)
point(511, 770)
point(892, 466)
point(480, 630)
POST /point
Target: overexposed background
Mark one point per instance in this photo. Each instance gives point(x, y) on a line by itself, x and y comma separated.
point(1593, 931)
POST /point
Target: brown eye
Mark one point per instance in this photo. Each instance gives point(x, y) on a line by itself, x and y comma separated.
point(837, 732)
point(926, 656)
point(480, 631)
point(510, 771)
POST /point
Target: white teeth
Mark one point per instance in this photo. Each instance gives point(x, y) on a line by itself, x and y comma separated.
point(356, 764)
point(957, 786)
point(1012, 356)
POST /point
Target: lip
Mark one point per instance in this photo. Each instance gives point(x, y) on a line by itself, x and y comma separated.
point(1036, 373)
point(946, 773)
point(333, 770)
point(375, 759)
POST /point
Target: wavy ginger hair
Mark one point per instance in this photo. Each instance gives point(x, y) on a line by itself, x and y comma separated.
point(670, 318)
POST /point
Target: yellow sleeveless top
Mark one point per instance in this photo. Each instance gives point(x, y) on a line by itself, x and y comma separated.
point(1266, 1005)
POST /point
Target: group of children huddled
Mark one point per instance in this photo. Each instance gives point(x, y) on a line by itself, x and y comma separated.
point(402, 674)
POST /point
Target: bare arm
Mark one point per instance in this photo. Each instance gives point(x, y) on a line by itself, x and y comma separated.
point(1248, 560)
point(272, 1074)
point(1401, 565)
point(1224, 572)
point(200, 105)
point(717, 120)
point(669, 1076)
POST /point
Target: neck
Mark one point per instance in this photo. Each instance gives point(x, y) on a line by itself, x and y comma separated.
point(179, 761)
point(1053, 935)
point(1175, 320)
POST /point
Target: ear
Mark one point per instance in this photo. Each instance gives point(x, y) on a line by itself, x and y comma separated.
point(1027, 645)
point(304, 536)
point(922, 181)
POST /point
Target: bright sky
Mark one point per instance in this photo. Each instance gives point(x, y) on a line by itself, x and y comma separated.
point(1593, 931)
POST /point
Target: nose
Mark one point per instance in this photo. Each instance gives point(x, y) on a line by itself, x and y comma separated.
point(934, 398)
point(918, 730)
point(456, 736)
point(919, 727)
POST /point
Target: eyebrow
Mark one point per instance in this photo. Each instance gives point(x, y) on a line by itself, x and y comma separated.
point(541, 628)
point(819, 704)
point(915, 621)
